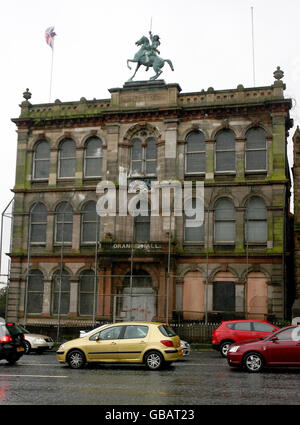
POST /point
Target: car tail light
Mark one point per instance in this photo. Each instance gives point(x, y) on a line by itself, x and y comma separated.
point(167, 343)
point(6, 338)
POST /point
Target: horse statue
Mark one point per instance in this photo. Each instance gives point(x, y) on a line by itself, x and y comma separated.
point(147, 56)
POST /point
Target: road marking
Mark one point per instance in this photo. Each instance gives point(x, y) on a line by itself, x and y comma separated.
point(38, 364)
point(33, 376)
point(194, 364)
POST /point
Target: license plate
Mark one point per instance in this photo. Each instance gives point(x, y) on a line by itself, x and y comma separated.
point(20, 348)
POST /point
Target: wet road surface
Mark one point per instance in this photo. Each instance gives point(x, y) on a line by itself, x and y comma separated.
point(203, 378)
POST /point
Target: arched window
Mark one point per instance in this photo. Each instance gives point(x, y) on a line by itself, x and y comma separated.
point(193, 229)
point(225, 150)
point(256, 228)
point(86, 293)
point(256, 150)
point(93, 157)
point(67, 158)
point(35, 292)
point(38, 220)
point(64, 223)
point(224, 221)
point(143, 156)
point(61, 292)
point(195, 153)
point(41, 160)
point(89, 223)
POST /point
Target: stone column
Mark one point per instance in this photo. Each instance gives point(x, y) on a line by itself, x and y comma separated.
point(181, 159)
point(170, 148)
point(50, 231)
point(79, 166)
point(47, 298)
point(162, 291)
point(209, 159)
point(107, 298)
point(113, 130)
point(53, 171)
point(100, 300)
point(240, 157)
point(278, 145)
point(73, 311)
point(22, 159)
point(239, 229)
point(76, 231)
point(269, 156)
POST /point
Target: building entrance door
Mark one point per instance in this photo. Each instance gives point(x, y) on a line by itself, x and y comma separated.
point(138, 298)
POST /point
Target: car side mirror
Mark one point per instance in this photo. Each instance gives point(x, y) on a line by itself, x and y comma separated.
point(274, 339)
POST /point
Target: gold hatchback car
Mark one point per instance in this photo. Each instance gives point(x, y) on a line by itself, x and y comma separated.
point(153, 344)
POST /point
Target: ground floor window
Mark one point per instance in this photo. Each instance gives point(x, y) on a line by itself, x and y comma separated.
point(61, 292)
point(223, 296)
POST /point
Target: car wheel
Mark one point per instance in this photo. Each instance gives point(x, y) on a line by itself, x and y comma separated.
point(153, 360)
point(76, 359)
point(253, 362)
point(224, 348)
point(27, 347)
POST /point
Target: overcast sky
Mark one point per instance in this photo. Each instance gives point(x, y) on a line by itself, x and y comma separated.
point(209, 43)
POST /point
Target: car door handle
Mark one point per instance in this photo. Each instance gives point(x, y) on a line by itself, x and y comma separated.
point(113, 343)
point(142, 342)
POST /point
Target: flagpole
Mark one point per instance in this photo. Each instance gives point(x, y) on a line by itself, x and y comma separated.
point(253, 60)
point(51, 72)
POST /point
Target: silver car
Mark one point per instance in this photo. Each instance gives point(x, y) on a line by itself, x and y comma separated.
point(186, 347)
point(85, 333)
point(36, 342)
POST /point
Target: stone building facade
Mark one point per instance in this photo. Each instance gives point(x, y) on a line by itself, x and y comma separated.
point(296, 175)
point(71, 266)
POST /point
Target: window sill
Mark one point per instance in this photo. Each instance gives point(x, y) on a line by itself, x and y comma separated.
point(192, 243)
point(256, 172)
point(224, 243)
point(63, 179)
point(255, 244)
point(225, 173)
point(200, 174)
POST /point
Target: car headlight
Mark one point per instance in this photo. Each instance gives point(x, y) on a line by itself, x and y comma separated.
point(61, 347)
point(39, 341)
point(234, 349)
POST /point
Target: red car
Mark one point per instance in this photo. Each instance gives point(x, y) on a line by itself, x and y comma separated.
point(239, 330)
point(279, 349)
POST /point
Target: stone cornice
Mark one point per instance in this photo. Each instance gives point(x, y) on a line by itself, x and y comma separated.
point(151, 114)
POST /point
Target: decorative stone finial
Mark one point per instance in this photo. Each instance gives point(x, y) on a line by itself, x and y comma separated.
point(278, 74)
point(27, 95)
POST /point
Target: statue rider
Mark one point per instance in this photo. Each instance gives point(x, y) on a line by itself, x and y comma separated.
point(152, 49)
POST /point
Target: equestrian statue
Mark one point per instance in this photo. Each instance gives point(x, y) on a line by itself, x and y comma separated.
point(147, 56)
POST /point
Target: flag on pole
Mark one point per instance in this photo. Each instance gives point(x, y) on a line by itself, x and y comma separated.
point(49, 35)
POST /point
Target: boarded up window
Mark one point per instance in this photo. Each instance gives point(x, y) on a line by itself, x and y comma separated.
point(223, 296)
